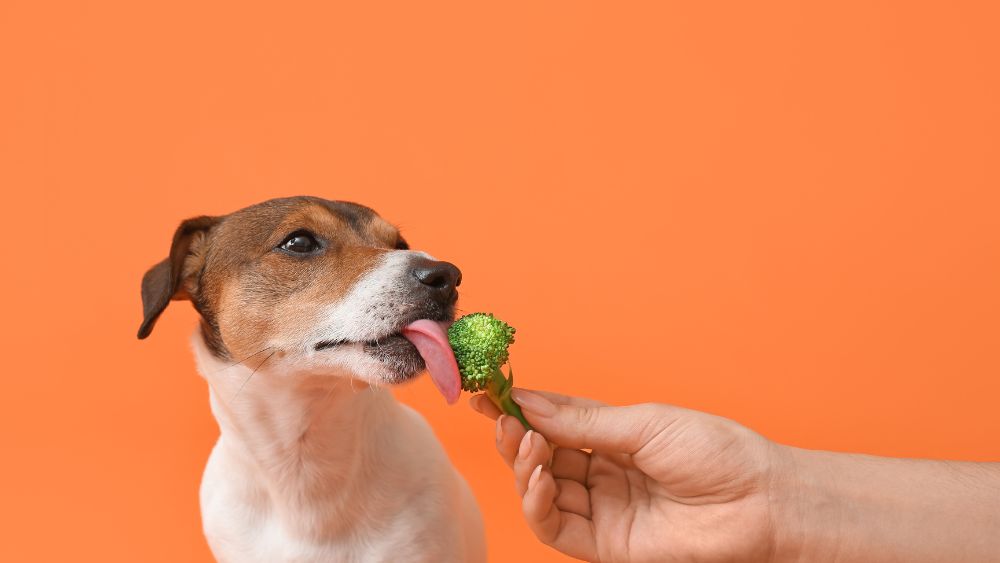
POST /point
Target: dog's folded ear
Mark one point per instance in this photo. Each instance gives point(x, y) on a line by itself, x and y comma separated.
point(165, 280)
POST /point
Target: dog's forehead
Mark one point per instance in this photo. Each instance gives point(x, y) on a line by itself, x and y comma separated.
point(262, 222)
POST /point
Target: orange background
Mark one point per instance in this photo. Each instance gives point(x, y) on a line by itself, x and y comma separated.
point(779, 212)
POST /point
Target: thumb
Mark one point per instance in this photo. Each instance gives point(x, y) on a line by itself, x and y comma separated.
point(574, 424)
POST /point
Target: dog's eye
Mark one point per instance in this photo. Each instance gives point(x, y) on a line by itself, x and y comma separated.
point(300, 242)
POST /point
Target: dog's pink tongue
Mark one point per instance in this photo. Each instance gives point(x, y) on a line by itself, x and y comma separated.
point(431, 340)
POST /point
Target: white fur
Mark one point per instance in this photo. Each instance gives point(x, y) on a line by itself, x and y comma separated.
point(370, 310)
point(314, 463)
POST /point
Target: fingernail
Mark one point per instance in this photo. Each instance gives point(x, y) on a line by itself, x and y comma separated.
point(525, 448)
point(534, 476)
point(533, 402)
point(500, 427)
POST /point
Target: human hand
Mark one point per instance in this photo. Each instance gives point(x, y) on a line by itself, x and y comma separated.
point(660, 482)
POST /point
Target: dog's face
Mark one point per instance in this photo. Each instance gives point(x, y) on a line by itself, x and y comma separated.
point(314, 285)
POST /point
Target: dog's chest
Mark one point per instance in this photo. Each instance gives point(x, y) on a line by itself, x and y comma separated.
point(407, 538)
point(407, 513)
point(418, 530)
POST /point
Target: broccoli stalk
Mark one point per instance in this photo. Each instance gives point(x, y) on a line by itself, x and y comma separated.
point(480, 343)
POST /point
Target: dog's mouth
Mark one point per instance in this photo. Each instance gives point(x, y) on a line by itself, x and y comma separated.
point(327, 344)
point(390, 343)
point(397, 352)
point(393, 351)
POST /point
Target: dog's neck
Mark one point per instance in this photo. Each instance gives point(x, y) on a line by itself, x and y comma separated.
point(304, 444)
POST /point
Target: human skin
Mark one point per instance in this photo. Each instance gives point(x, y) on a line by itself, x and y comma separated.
point(663, 483)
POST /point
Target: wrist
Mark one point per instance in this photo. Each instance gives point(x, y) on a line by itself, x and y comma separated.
point(828, 506)
point(805, 512)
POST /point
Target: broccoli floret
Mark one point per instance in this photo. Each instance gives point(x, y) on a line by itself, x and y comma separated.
point(480, 343)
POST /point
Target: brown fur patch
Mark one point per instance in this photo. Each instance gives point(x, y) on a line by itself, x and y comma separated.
point(247, 290)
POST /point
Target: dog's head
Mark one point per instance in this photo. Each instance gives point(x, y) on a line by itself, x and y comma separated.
point(316, 285)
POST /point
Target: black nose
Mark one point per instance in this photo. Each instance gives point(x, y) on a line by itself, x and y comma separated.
point(441, 278)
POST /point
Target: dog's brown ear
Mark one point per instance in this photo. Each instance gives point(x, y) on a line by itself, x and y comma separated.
point(163, 281)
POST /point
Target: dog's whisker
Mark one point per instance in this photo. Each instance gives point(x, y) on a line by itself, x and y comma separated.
point(243, 360)
point(329, 392)
point(247, 380)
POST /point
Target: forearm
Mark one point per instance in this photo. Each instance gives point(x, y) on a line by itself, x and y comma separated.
point(847, 507)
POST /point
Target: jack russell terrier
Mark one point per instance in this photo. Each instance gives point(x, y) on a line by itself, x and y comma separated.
point(308, 309)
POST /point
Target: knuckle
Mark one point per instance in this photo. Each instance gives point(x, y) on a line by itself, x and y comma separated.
point(653, 420)
point(584, 416)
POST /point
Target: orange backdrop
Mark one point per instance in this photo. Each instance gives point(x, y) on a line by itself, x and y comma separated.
point(779, 212)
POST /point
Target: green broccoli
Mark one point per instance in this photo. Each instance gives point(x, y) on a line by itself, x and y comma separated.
point(480, 343)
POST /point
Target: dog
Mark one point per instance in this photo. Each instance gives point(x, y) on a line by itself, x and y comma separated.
point(304, 307)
